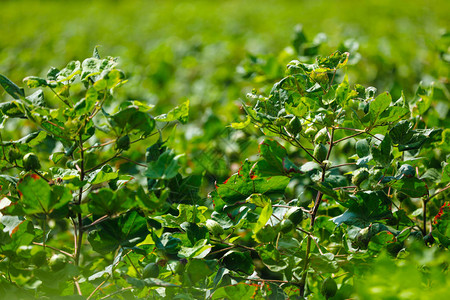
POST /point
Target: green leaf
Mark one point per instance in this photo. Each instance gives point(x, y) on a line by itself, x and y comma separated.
point(104, 174)
point(149, 282)
point(37, 98)
point(34, 82)
point(364, 208)
point(11, 223)
point(166, 167)
point(342, 92)
point(11, 88)
point(132, 119)
point(107, 202)
point(378, 106)
point(401, 133)
point(446, 171)
point(381, 240)
point(23, 234)
point(199, 250)
point(411, 186)
point(235, 292)
point(324, 263)
point(38, 197)
point(238, 262)
point(243, 184)
point(272, 258)
point(86, 105)
point(186, 213)
point(180, 113)
point(114, 78)
point(392, 114)
point(65, 174)
point(381, 152)
point(273, 153)
point(242, 125)
point(69, 73)
point(362, 148)
point(168, 243)
point(33, 139)
point(127, 230)
point(198, 269)
point(13, 109)
point(265, 215)
point(56, 129)
point(299, 109)
point(194, 232)
point(419, 138)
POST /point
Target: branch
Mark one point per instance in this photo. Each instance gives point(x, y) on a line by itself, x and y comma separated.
point(53, 248)
point(130, 160)
point(117, 292)
point(440, 191)
point(98, 287)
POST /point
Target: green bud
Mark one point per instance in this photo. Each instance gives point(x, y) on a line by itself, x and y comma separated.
point(151, 271)
point(321, 136)
point(31, 162)
point(320, 152)
point(123, 142)
point(329, 288)
point(359, 176)
point(294, 126)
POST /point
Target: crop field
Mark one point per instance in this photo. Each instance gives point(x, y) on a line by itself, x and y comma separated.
point(224, 149)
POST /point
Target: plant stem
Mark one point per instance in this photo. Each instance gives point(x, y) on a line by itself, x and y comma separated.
point(134, 267)
point(117, 292)
point(53, 248)
point(439, 191)
point(342, 165)
point(64, 101)
point(348, 137)
point(130, 160)
point(79, 228)
point(313, 220)
point(40, 175)
point(102, 164)
point(98, 287)
point(425, 202)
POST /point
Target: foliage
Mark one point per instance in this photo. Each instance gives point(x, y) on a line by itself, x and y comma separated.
point(301, 220)
point(319, 189)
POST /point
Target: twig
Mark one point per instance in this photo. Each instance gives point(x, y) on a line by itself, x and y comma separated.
point(288, 206)
point(348, 137)
point(98, 221)
point(117, 292)
point(98, 287)
point(65, 102)
point(53, 248)
point(440, 191)
point(77, 286)
point(101, 164)
point(268, 280)
point(130, 160)
point(40, 175)
point(342, 165)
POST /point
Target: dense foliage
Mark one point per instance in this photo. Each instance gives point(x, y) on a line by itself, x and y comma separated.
point(231, 159)
point(300, 220)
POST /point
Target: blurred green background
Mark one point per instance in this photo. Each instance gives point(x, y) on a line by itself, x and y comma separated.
point(214, 52)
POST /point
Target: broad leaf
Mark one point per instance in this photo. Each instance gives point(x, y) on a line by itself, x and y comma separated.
point(37, 197)
point(127, 230)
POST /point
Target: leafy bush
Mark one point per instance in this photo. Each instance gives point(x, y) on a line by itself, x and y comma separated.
point(348, 193)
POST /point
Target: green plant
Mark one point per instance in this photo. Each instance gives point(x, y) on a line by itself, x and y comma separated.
point(344, 220)
point(52, 205)
point(348, 192)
